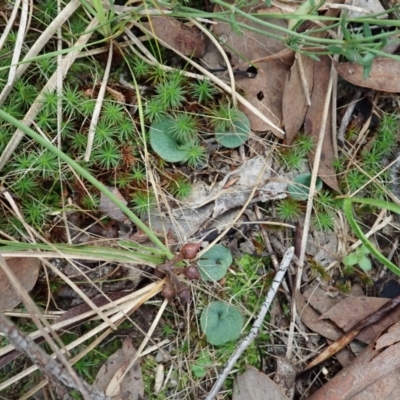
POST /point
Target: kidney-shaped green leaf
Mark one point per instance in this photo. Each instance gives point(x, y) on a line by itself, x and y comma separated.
point(221, 323)
point(164, 143)
point(214, 263)
point(300, 188)
point(237, 133)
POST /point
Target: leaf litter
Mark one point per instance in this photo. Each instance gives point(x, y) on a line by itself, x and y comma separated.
point(292, 94)
point(26, 271)
point(132, 386)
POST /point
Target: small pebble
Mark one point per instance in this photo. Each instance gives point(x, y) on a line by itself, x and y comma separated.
point(162, 356)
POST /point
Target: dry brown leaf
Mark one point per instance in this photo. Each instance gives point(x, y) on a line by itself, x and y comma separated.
point(26, 270)
point(320, 299)
point(294, 102)
point(109, 208)
point(188, 40)
point(311, 319)
point(369, 333)
point(351, 310)
point(384, 74)
point(387, 388)
point(131, 387)
point(266, 89)
point(294, 99)
point(285, 376)
point(324, 299)
point(313, 122)
point(369, 367)
point(254, 385)
point(390, 307)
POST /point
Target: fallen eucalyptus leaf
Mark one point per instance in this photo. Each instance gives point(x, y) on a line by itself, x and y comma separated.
point(26, 270)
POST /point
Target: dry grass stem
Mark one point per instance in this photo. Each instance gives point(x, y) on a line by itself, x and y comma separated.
point(143, 345)
point(33, 51)
point(48, 88)
point(22, 29)
point(99, 103)
point(307, 218)
point(224, 56)
point(220, 83)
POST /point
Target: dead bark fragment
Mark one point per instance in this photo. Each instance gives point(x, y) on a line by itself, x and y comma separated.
point(368, 368)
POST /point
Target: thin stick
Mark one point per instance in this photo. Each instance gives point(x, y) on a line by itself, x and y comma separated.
point(287, 258)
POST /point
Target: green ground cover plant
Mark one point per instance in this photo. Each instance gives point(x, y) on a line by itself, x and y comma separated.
point(152, 137)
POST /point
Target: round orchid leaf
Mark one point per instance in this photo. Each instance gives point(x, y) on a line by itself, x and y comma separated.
point(300, 188)
point(164, 143)
point(365, 264)
point(214, 263)
point(350, 260)
point(237, 133)
point(221, 323)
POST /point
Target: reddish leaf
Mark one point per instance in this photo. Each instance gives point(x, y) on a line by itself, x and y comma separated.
point(26, 270)
point(188, 40)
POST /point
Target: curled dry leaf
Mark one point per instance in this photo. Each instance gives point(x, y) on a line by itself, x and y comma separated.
point(159, 378)
point(26, 270)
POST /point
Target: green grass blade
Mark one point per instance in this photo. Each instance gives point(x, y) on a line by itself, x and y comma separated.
point(348, 211)
point(85, 174)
